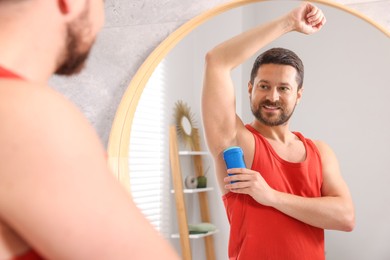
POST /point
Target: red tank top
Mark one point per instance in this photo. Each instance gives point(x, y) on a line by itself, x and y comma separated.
point(29, 255)
point(4, 73)
point(260, 232)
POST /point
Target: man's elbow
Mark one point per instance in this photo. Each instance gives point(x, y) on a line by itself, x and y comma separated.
point(348, 223)
point(216, 60)
point(211, 58)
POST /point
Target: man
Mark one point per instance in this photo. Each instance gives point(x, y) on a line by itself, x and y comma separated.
point(58, 199)
point(292, 190)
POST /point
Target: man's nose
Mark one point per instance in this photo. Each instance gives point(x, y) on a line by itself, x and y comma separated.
point(273, 95)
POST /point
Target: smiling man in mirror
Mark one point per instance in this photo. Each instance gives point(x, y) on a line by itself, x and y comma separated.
point(292, 190)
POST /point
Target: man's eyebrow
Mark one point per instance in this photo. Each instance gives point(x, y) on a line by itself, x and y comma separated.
point(263, 81)
point(280, 84)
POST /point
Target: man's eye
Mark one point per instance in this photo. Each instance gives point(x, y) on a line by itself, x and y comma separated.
point(263, 86)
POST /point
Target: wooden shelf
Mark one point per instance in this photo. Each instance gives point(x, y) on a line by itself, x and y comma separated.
point(195, 190)
point(179, 191)
point(196, 236)
point(194, 153)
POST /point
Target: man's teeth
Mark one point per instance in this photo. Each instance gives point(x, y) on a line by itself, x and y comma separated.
point(271, 107)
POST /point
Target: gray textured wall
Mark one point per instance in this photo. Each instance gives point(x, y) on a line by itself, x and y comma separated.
point(132, 30)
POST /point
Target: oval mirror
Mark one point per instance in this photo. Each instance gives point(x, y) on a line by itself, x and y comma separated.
point(186, 125)
point(344, 103)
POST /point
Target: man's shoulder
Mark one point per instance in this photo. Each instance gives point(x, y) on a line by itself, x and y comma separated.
point(20, 100)
point(37, 116)
point(14, 91)
point(321, 145)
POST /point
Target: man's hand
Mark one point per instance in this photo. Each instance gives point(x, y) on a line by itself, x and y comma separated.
point(252, 183)
point(307, 18)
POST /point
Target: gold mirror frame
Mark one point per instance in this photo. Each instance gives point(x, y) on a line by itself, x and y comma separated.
point(119, 140)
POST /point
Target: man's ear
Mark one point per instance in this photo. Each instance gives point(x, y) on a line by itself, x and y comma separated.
point(250, 86)
point(299, 95)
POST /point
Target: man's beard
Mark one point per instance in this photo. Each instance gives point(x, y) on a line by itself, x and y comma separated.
point(76, 50)
point(281, 119)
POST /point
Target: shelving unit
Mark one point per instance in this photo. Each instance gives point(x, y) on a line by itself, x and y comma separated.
point(193, 153)
point(196, 236)
point(179, 192)
point(195, 190)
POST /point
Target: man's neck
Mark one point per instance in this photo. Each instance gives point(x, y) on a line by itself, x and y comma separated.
point(280, 133)
point(28, 53)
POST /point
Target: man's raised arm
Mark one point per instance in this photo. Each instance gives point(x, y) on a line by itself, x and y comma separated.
point(222, 127)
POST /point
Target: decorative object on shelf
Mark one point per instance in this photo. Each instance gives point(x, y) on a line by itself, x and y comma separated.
point(191, 182)
point(201, 181)
point(185, 123)
point(188, 133)
point(201, 228)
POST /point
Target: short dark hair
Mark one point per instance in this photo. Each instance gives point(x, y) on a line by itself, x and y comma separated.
point(279, 56)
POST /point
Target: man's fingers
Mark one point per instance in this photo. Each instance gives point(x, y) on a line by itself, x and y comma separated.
point(315, 18)
point(237, 185)
point(313, 12)
point(237, 170)
point(237, 177)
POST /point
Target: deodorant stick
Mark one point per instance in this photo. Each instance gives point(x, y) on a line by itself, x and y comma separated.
point(234, 158)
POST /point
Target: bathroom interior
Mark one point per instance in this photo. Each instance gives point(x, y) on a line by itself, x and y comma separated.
point(150, 55)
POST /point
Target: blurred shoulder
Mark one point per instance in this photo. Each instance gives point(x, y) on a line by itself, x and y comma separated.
point(38, 119)
point(24, 97)
point(30, 104)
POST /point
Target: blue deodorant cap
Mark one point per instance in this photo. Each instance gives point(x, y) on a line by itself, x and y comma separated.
point(234, 158)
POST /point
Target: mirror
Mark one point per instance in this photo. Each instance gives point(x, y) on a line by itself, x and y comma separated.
point(186, 126)
point(344, 104)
